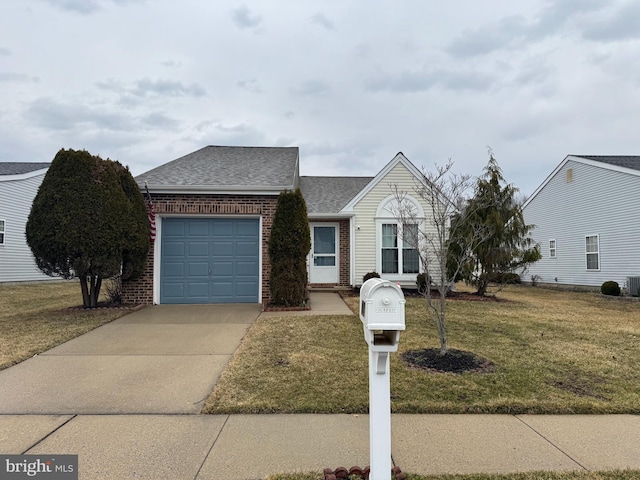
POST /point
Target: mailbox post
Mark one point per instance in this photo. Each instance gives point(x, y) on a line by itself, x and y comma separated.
point(382, 315)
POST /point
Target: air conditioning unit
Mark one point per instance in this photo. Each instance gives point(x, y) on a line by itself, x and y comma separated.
point(633, 286)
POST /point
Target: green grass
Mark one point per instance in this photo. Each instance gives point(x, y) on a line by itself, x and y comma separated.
point(609, 475)
point(555, 352)
point(35, 317)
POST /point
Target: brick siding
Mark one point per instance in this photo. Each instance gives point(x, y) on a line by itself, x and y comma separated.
point(140, 291)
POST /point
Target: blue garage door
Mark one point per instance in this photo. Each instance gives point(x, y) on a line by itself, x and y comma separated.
point(209, 260)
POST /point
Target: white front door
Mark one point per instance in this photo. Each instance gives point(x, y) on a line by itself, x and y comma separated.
point(323, 261)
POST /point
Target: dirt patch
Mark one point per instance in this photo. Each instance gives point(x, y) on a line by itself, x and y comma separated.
point(453, 361)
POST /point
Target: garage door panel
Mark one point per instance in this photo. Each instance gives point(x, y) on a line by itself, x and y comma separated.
point(223, 228)
point(174, 229)
point(222, 269)
point(222, 248)
point(199, 249)
point(173, 249)
point(244, 248)
point(199, 269)
point(198, 290)
point(247, 229)
point(246, 269)
point(174, 290)
point(210, 260)
point(174, 269)
point(198, 228)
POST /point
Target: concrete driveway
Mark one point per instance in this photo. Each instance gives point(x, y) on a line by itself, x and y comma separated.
point(163, 359)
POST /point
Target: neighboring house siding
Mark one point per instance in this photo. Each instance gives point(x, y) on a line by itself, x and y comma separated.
point(16, 260)
point(583, 200)
point(365, 218)
point(140, 291)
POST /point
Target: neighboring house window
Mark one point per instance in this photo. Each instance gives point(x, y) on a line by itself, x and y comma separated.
point(592, 249)
point(1, 232)
point(398, 254)
point(552, 248)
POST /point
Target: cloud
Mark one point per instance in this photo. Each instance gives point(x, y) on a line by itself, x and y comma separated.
point(5, 52)
point(243, 18)
point(488, 38)
point(159, 120)
point(422, 81)
point(250, 85)
point(51, 114)
point(510, 32)
point(171, 64)
point(17, 77)
point(321, 20)
point(86, 7)
point(624, 24)
point(311, 88)
point(216, 132)
point(146, 88)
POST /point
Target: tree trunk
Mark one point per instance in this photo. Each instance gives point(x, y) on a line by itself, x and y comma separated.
point(442, 327)
point(86, 303)
point(94, 292)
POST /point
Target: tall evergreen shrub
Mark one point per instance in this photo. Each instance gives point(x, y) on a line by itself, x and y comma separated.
point(289, 246)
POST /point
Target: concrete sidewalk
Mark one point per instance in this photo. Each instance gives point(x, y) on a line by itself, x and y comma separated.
point(241, 447)
point(126, 398)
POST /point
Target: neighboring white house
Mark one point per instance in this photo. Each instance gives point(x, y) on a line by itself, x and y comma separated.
point(587, 218)
point(19, 184)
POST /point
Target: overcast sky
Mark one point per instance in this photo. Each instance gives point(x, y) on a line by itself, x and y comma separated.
point(350, 82)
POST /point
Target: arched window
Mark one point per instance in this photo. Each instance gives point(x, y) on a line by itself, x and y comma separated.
point(398, 237)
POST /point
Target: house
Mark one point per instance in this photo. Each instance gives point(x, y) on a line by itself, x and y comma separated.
point(19, 183)
point(587, 218)
point(213, 214)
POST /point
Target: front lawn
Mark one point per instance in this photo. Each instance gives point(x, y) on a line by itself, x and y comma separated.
point(554, 352)
point(35, 317)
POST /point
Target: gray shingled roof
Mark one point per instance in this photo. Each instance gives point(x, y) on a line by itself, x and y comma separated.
point(628, 161)
point(330, 194)
point(228, 168)
point(19, 168)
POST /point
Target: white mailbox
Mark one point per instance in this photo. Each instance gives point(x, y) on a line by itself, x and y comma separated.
point(382, 314)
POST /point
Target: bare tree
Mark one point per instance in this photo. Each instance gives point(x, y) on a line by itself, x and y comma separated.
point(432, 236)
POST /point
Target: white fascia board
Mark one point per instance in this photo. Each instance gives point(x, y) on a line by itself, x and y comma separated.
point(605, 165)
point(207, 189)
point(325, 216)
point(23, 176)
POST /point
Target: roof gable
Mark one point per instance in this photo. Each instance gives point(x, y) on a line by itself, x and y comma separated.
point(618, 163)
point(222, 169)
point(398, 159)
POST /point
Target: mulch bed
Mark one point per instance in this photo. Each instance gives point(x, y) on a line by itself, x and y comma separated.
point(357, 472)
point(454, 361)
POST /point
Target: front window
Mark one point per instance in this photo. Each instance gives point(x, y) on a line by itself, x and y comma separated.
point(399, 254)
point(552, 249)
point(592, 249)
point(1, 232)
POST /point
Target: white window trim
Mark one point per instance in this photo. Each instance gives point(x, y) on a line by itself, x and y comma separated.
point(553, 251)
point(386, 213)
point(3, 231)
point(597, 252)
point(410, 277)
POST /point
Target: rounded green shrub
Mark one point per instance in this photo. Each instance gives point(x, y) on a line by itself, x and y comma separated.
point(369, 275)
point(422, 283)
point(610, 288)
